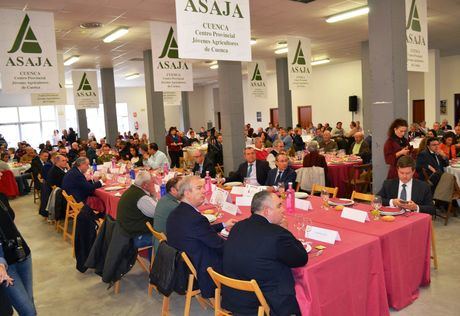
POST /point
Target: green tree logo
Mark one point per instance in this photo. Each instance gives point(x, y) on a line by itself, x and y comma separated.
point(299, 58)
point(413, 22)
point(256, 76)
point(84, 84)
point(26, 39)
point(170, 49)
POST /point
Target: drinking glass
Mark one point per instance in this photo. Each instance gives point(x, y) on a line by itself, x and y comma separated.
point(299, 224)
point(308, 224)
point(219, 179)
point(325, 198)
point(376, 205)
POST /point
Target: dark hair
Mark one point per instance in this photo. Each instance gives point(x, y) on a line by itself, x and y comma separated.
point(451, 135)
point(396, 123)
point(353, 123)
point(258, 201)
point(153, 146)
point(171, 129)
point(430, 140)
point(405, 161)
point(171, 183)
point(433, 131)
point(143, 147)
point(3, 155)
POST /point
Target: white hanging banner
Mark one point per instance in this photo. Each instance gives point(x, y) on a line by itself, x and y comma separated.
point(53, 98)
point(85, 92)
point(169, 72)
point(299, 62)
point(257, 74)
point(218, 29)
point(28, 52)
point(417, 35)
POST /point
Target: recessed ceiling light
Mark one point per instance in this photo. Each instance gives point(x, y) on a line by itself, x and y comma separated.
point(253, 41)
point(90, 25)
point(215, 66)
point(280, 51)
point(132, 76)
point(71, 60)
point(115, 34)
point(320, 61)
point(348, 14)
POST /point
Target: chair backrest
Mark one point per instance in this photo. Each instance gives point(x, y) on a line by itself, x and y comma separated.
point(362, 196)
point(189, 264)
point(159, 236)
point(316, 188)
point(361, 172)
point(248, 286)
point(75, 207)
point(307, 176)
point(68, 198)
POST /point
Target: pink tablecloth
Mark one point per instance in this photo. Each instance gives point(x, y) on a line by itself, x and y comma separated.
point(347, 279)
point(337, 175)
point(405, 245)
point(110, 200)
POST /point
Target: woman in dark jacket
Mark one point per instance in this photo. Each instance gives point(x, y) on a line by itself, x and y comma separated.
point(15, 263)
point(396, 146)
point(174, 144)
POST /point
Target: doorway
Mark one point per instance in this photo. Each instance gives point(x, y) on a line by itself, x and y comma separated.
point(418, 111)
point(219, 122)
point(304, 115)
point(274, 116)
point(457, 108)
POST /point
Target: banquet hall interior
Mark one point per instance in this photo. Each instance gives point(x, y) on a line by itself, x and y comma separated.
point(314, 149)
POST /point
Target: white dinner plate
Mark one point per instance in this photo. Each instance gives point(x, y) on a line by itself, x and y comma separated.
point(395, 213)
point(344, 202)
point(301, 195)
point(211, 217)
point(233, 184)
point(114, 188)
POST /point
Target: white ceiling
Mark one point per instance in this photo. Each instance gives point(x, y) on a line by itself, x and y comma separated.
point(271, 21)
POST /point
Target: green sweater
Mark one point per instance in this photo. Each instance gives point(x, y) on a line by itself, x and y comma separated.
point(130, 217)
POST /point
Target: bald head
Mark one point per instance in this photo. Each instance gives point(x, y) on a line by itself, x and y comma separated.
point(327, 136)
point(359, 136)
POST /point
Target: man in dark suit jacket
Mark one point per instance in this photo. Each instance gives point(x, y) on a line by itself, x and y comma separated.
point(203, 164)
point(261, 248)
point(36, 168)
point(187, 230)
point(416, 194)
point(75, 183)
point(255, 170)
point(283, 173)
point(431, 162)
point(57, 172)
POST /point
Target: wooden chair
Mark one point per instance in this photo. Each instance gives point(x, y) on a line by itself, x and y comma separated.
point(160, 237)
point(362, 196)
point(64, 226)
point(72, 212)
point(434, 254)
point(116, 285)
point(39, 182)
point(248, 286)
point(360, 178)
point(316, 188)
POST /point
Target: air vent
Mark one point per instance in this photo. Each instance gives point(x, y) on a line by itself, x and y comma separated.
point(90, 25)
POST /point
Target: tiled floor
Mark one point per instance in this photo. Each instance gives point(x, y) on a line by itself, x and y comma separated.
point(61, 290)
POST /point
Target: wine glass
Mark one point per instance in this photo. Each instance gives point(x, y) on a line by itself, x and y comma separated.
point(219, 179)
point(299, 224)
point(325, 198)
point(308, 224)
point(376, 205)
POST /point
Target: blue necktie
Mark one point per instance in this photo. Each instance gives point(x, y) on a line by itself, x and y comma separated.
point(403, 195)
point(249, 170)
point(278, 178)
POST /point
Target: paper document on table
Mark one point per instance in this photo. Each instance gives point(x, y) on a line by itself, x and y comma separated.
point(355, 215)
point(243, 200)
point(250, 189)
point(303, 204)
point(238, 190)
point(219, 196)
point(230, 208)
point(322, 234)
point(169, 176)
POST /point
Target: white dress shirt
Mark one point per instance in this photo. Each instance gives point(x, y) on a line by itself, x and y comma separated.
point(253, 176)
point(156, 160)
point(408, 192)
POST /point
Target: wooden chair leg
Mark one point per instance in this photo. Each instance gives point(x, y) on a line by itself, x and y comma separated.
point(74, 227)
point(65, 228)
point(449, 211)
point(434, 254)
point(116, 287)
point(165, 307)
point(144, 267)
point(188, 296)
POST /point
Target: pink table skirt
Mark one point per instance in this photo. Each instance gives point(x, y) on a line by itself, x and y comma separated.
point(110, 200)
point(405, 245)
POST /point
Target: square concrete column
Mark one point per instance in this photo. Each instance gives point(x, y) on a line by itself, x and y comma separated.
point(215, 98)
point(82, 124)
point(155, 107)
point(432, 82)
point(232, 113)
point(110, 104)
point(388, 75)
point(366, 87)
point(284, 94)
point(185, 111)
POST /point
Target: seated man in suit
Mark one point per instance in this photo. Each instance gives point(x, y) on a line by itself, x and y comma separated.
point(75, 182)
point(57, 171)
point(406, 192)
point(37, 167)
point(202, 164)
point(431, 162)
point(187, 230)
point(283, 173)
point(278, 146)
point(136, 207)
point(360, 148)
point(255, 170)
point(261, 248)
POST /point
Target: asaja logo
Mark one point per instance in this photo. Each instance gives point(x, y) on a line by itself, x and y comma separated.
point(256, 76)
point(299, 58)
point(84, 89)
point(170, 49)
point(27, 38)
point(413, 22)
point(227, 8)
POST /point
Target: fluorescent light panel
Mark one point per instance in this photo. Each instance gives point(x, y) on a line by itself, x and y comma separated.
point(215, 66)
point(348, 14)
point(116, 34)
point(71, 60)
point(320, 61)
point(253, 41)
point(132, 76)
point(280, 51)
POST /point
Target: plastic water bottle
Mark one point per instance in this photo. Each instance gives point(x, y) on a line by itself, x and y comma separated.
point(163, 188)
point(132, 174)
point(94, 166)
point(207, 183)
point(290, 199)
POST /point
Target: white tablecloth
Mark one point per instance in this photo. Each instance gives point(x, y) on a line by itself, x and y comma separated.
point(17, 171)
point(454, 171)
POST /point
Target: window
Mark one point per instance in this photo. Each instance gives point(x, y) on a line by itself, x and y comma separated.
point(34, 124)
point(122, 117)
point(70, 117)
point(96, 122)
